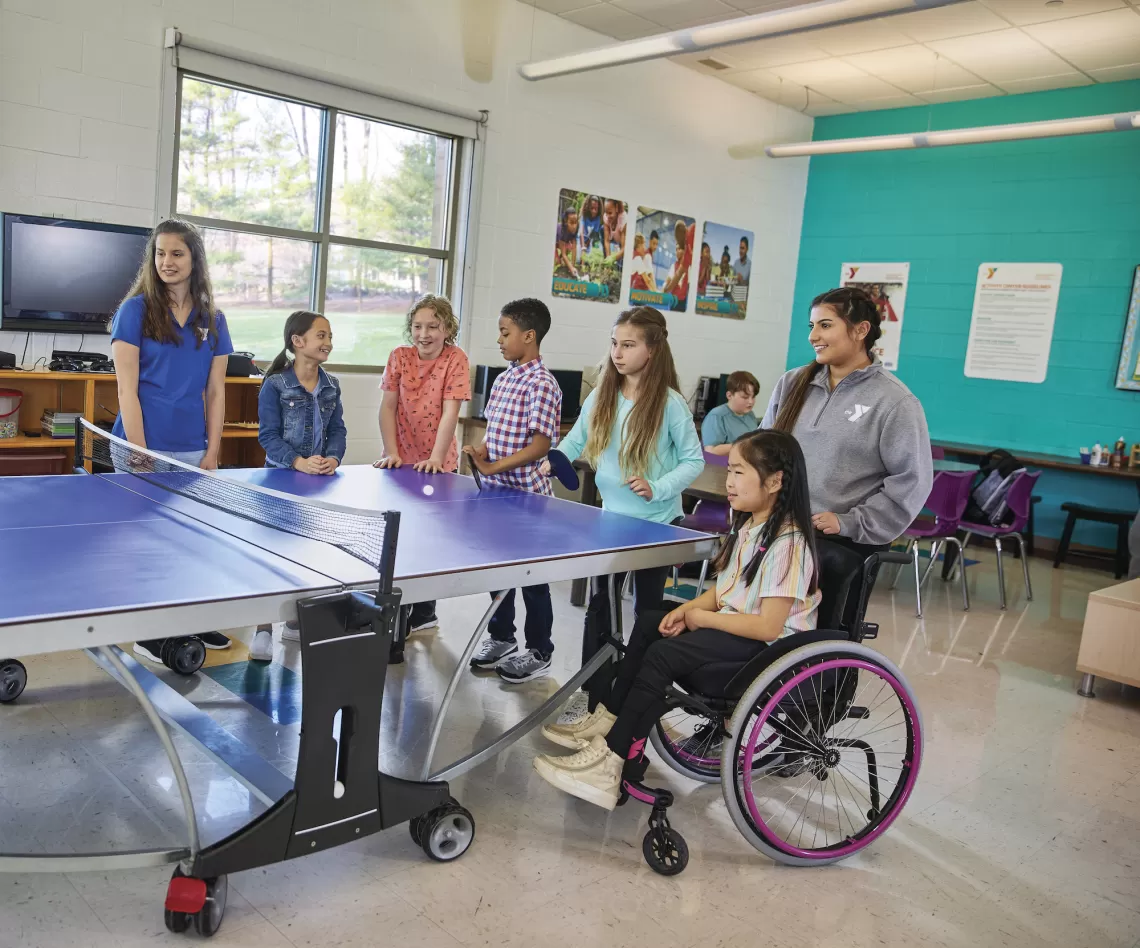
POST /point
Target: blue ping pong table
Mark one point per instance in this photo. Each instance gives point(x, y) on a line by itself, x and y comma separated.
point(92, 560)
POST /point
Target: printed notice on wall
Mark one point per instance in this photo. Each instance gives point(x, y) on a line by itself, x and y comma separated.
point(1011, 331)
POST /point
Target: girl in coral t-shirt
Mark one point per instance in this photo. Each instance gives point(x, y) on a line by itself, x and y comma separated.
point(424, 385)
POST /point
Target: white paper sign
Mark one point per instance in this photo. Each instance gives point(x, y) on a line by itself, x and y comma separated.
point(886, 282)
point(1011, 331)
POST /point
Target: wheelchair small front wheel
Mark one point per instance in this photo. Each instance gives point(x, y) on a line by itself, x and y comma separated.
point(815, 778)
point(665, 850)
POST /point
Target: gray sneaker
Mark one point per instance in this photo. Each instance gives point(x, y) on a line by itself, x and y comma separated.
point(525, 666)
point(492, 654)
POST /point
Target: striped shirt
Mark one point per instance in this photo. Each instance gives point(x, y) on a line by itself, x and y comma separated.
point(785, 572)
point(525, 400)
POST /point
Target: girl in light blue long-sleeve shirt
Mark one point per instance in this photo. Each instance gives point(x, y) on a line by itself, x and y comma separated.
point(636, 430)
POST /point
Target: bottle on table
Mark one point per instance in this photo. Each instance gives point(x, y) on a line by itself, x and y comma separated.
point(1118, 455)
point(1097, 451)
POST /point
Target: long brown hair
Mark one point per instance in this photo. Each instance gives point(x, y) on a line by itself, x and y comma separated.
point(851, 304)
point(642, 426)
point(770, 452)
point(158, 324)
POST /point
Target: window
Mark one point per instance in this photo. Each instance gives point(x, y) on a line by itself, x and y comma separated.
point(310, 207)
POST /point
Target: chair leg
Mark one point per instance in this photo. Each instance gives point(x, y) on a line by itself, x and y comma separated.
point(935, 546)
point(960, 560)
point(676, 577)
point(917, 582)
point(704, 573)
point(1024, 567)
point(961, 572)
point(1001, 570)
point(1066, 536)
point(1122, 550)
point(898, 569)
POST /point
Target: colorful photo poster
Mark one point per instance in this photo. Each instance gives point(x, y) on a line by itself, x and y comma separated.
point(724, 271)
point(589, 246)
point(662, 259)
point(886, 282)
point(1128, 374)
point(1011, 329)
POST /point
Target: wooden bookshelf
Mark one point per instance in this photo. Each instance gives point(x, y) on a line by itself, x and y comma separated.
point(95, 395)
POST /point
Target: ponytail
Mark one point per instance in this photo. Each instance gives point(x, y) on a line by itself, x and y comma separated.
point(851, 304)
point(298, 323)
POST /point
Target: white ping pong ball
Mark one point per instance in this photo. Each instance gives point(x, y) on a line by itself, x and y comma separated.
point(338, 790)
point(428, 489)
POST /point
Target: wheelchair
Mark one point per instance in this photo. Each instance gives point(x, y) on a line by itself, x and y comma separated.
point(816, 742)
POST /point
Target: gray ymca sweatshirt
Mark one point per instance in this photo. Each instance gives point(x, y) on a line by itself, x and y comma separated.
point(867, 450)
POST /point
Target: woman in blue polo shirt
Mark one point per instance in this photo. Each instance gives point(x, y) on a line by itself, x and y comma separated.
point(171, 346)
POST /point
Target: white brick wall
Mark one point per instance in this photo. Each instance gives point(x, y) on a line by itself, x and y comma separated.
point(79, 112)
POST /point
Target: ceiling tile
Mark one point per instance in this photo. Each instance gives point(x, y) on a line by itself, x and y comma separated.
point(913, 68)
point(837, 80)
point(611, 21)
point(983, 91)
point(677, 14)
point(1116, 73)
point(1098, 41)
point(563, 6)
point(1044, 83)
point(770, 52)
point(958, 19)
point(1024, 12)
point(858, 38)
point(897, 101)
point(1004, 54)
point(771, 87)
point(824, 106)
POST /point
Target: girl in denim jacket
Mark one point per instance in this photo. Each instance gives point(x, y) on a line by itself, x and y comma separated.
point(299, 408)
point(301, 422)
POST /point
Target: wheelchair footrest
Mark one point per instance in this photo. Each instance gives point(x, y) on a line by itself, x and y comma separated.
point(656, 798)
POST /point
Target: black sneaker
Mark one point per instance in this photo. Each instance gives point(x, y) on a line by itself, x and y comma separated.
point(215, 640)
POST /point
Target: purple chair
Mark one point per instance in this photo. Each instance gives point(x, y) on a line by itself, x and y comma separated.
point(1019, 499)
point(707, 517)
point(949, 495)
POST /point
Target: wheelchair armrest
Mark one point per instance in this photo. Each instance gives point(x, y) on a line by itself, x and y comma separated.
point(781, 647)
point(889, 556)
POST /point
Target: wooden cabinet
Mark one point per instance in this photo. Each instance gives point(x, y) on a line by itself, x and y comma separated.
point(95, 395)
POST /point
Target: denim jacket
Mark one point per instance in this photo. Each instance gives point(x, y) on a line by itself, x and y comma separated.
point(285, 413)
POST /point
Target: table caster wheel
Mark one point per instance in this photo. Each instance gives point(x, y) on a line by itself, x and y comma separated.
point(13, 679)
point(447, 832)
point(665, 850)
point(183, 655)
point(197, 902)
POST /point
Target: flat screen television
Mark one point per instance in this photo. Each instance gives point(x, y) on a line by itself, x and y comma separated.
point(66, 276)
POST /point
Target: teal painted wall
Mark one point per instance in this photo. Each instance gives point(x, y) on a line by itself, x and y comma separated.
point(1074, 201)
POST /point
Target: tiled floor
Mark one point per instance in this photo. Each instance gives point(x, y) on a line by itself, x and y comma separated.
point(1024, 828)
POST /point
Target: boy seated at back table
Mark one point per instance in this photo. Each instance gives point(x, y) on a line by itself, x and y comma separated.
point(523, 414)
point(727, 422)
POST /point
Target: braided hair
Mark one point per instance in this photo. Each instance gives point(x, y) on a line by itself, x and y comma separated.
point(769, 452)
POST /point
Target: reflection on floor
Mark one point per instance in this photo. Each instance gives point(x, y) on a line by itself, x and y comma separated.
point(1023, 830)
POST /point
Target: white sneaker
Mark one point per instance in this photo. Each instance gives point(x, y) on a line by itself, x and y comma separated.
point(593, 774)
point(262, 648)
point(578, 735)
point(291, 632)
point(576, 708)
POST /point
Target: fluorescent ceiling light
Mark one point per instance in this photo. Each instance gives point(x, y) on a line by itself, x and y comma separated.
point(1083, 125)
point(812, 16)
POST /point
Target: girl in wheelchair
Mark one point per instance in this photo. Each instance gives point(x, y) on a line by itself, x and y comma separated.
point(766, 587)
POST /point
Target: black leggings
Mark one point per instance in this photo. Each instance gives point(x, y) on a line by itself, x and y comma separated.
point(652, 663)
point(648, 595)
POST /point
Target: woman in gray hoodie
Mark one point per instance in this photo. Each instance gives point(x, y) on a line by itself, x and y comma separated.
point(863, 433)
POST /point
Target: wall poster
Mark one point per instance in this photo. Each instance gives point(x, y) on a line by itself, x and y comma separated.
point(886, 283)
point(662, 258)
point(589, 246)
point(724, 271)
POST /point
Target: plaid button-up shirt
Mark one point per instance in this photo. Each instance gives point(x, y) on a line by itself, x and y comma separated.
point(525, 400)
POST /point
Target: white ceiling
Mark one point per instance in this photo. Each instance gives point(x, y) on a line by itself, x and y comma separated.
point(963, 51)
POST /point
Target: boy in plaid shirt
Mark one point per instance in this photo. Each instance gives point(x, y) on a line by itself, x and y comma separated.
point(523, 414)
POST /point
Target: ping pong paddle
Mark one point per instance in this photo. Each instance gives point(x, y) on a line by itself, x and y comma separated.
point(476, 475)
point(561, 468)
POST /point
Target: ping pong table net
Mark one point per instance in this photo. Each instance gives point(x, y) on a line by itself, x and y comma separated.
point(367, 535)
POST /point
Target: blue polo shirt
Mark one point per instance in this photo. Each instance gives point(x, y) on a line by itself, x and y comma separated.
point(172, 378)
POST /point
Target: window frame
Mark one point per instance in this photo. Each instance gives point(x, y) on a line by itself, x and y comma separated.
point(464, 169)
